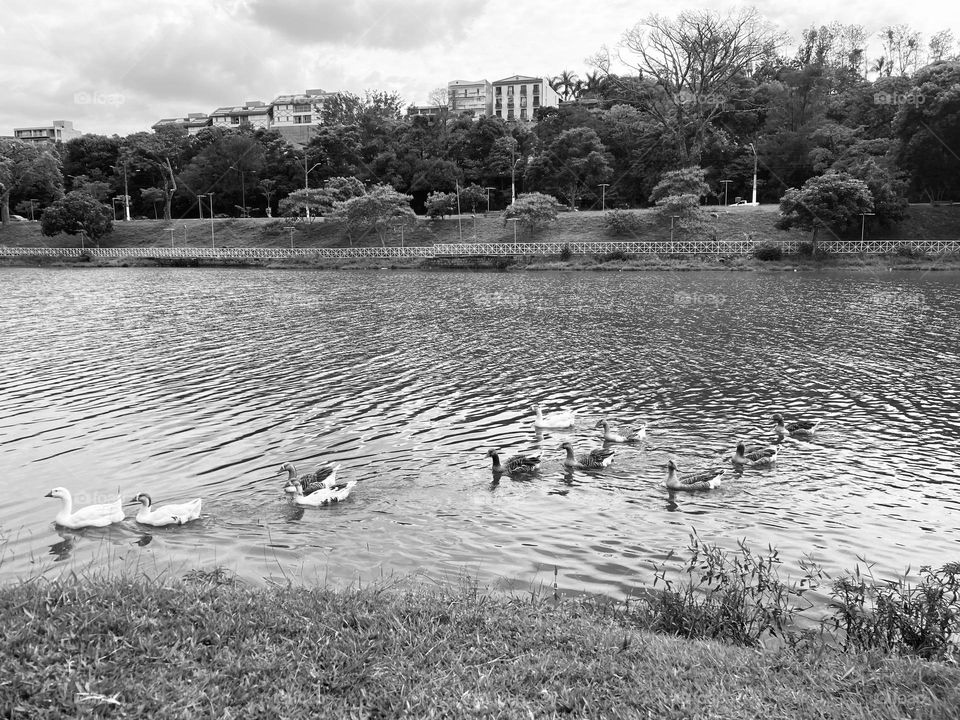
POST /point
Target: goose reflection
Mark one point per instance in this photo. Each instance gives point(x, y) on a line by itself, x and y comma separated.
point(62, 550)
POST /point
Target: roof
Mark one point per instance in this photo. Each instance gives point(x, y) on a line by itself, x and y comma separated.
point(518, 79)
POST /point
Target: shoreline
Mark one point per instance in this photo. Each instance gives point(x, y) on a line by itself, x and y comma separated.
point(530, 263)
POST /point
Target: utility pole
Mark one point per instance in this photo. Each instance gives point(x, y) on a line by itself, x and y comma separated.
point(603, 196)
point(726, 184)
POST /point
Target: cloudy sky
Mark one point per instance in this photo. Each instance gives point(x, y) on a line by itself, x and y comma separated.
point(115, 66)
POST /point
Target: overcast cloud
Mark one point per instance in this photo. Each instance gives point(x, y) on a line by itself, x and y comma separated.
point(112, 66)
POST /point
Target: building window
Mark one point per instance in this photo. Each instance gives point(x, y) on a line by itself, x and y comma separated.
point(536, 90)
point(498, 91)
point(301, 108)
point(499, 112)
point(523, 101)
point(536, 102)
point(510, 114)
point(523, 114)
point(301, 119)
point(523, 89)
point(510, 90)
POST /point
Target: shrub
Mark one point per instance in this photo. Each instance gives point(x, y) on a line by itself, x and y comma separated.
point(896, 617)
point(806, 249)
point(767, 251)
point(736, 597)
point(622, 222)
point(616, 255)
point(909, 251)
point(566, 253)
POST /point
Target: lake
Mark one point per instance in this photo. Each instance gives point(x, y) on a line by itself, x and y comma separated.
point(201, 382)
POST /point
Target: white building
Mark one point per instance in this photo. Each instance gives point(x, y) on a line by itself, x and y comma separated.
point(517, 98)
point(472, 96)
point(57, 131)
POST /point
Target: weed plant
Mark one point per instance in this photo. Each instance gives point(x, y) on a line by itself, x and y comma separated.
point(734, 597)
point(898, 618)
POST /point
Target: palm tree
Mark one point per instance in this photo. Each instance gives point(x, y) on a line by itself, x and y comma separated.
point(565, 84)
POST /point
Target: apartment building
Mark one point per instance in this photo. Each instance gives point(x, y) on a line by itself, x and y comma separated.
point(57, 131)
point(193, 123)
point(296, 116)
point(517, 98)
point(470, 96)
point(253, 113)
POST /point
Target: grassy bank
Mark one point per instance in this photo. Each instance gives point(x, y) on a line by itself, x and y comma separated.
point(925, 222)
point(205, 646)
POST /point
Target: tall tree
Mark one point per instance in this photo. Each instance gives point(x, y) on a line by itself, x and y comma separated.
point(160, 155)
point(374, 211)
point(689, 68)
point(573, 163)
point(24, 165)
point(929, 132)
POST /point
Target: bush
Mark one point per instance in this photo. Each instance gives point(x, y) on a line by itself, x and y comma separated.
point(566, 253)
point(622, 222)
point(735, 597)
point(895, 617)
point(767, 251)
point(805, 249)
point(909, 251)
point(616, 255)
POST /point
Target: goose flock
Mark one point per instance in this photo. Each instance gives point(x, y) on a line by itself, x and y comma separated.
point(322, 487)
point(745, 456)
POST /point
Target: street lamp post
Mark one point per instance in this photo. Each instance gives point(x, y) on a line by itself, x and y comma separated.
point(115, 199)
point(726, 184)
point(184, 234)
point(243, 192)
point(306, 176)
point(673, 218)
point(126, 196)
point(291, 228)
point(603, 196)
point(209, 195)
point(863, 227)
point(488, 197)
point(172, 230)
point(80, 225)
point(754, 173)
point(400, 227)
point(459, 218)
point(32, 201)
point(514, 221)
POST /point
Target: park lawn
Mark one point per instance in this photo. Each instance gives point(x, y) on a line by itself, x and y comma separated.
point(208, 646)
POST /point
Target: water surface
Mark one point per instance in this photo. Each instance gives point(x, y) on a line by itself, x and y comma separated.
point(186, 383)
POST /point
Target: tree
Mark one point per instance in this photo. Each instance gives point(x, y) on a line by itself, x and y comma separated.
point(471, 197)
point(690, 67)
point(440, 204)
point(161, 155)
point(685, 181)
point(24, 165)
point(77, 212)
point(230, 163)
point(533, 210)
point(314, 199)
point(153, 196)
point(268, 186)
point(575, 161)
point(833, 202)
point(375, 211)
point(928, 126)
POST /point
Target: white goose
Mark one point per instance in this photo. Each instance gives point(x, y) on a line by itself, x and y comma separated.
point(624, 435)
point(178, 514)
point(89, 516)
point(322, 495)
point(554, 420)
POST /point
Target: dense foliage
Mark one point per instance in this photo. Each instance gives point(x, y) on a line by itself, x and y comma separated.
point(727, 102)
